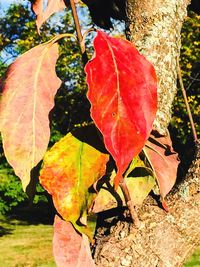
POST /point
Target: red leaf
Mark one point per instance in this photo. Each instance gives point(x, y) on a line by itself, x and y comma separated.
point(164, 161)
point(53, 6)
point(70, 248)
point(123, 97)
point(28, 96)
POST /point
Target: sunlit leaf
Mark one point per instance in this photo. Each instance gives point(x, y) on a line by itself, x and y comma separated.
point(42, 14)
point(70, 249)
point(70, 169)
point(43, 11)
point(28, 96)
point(139, 181)
point(123, 96)
point(139, 188)
point(163, 160)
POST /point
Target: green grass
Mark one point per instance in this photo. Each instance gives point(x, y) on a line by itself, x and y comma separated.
point(194, 260)
point(23, 245)
point(29, 244)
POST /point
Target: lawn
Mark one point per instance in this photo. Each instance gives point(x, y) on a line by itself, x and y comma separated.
point(25, 245)
point(194, 261)
point(29, 244)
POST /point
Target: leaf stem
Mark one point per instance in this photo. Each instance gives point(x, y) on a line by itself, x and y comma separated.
point(186, 102)
point(78, 32)
point(129, 203)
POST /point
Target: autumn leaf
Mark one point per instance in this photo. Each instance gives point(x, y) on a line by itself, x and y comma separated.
point(139, 188)
point(69, 247)
point(70, 169)
point(139, 181)
point(43, 13)
point(52, 7)
point(27, 98)
point(163, 160)
point(123, 96)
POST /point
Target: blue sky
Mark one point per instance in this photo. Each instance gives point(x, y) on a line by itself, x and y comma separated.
point(4, 4)
point(8, 2)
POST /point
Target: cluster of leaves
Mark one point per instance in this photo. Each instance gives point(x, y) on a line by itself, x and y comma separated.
point(123, 106)
point(71, 104)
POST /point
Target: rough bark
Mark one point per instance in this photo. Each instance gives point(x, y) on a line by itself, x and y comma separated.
point(154, 26)
point(164, 239)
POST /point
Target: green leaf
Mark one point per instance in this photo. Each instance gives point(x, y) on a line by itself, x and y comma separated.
point(139, 188)
point(70, 169)
point(138, 163)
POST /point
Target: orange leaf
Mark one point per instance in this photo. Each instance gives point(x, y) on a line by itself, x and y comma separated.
point(28, 96)
point(70, 169)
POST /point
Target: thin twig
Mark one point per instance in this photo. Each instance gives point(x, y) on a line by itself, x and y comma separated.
point(78, 31)
point(129, 203)
point(186, 102)
point(85, 35)
point(193, 80)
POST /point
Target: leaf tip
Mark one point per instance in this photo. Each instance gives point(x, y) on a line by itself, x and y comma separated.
point(118, 178)
point(25, 183)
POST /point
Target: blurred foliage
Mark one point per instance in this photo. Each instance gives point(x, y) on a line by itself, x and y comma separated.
point(11, 194)
point(190, 68)
point(18, 34)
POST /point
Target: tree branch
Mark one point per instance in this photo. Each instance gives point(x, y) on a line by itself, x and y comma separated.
point(186, 102)
point(163, 239)
point(129, 203)
point(78, 32)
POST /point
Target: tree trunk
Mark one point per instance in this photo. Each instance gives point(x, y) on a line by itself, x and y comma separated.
point(164, 239)
point(154, 26)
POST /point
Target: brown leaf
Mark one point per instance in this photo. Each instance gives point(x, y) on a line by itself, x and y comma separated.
point(164, 161)
point(70, 249)
point(28, 96)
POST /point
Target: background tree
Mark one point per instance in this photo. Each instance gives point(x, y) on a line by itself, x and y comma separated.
point(189, 61)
